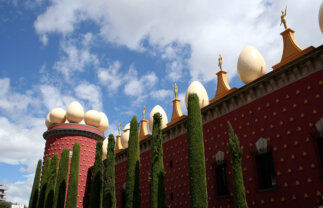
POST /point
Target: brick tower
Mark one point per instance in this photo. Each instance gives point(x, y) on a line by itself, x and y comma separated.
point(60, 136)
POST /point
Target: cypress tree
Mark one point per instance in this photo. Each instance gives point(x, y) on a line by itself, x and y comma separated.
point(157, 187)
point(44, 181)
point(236, 155)
point(51, 182)
point(71, 200)
point(60, 189)
point(109, 195)
point(35, 190)
point(97, 178)
point(133, 167)
point(196, 158)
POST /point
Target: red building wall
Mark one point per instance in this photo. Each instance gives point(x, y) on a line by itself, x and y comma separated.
point(286, 118)
point(62, 136)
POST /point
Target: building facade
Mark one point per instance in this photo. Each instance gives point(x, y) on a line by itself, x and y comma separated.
point(275, 119)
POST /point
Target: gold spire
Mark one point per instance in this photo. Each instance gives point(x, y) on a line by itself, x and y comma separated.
point(143, 130)
point(118, 146)
point(143, 126)
point(291, 49)
point(177, 111)
point(223, 87)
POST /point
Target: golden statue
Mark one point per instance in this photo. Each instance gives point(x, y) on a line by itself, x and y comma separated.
point(119, 128)
point(283, 18)
point(220, 62)
point(175, 90)
point(143, 112)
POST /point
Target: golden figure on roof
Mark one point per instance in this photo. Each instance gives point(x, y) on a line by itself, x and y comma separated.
point(119, 128)
point(143, 112)
point(175, 90)
point(283, 18)
point(220, 62)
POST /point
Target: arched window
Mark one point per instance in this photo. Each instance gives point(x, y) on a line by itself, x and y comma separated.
point(265, 165)
point(222, 185)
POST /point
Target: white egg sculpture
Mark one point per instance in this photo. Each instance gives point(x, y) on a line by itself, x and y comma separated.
point(251, 64)
point(104, 123)
point(164, 121)
point(75, 112)
point(93, 118)
point(48, 122)
point(321, 17)
point(57, 115)
point(197, 88)
point(125, 135)
point(104, 148)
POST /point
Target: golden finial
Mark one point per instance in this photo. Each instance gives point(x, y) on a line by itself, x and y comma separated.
point(119, 128)
point(220, 62)
point(283, 18)
point(143, 112)
point(175, 90)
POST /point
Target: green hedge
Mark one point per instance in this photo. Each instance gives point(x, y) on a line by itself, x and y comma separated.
point(51, 182)
point(60, 189)
point(35, 190)
point(109, 195)
point(44, 181)
point(157, 187)
point(71, 200)
point(97, 179)
point(196, 157)
point(133, 167)
point(236, 155)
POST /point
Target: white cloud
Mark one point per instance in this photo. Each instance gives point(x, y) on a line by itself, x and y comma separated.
point(161, 94)
point(53, 98)
point(208, 27)
point(75, 57)
point(91, 94)
point(11, 102)
point(111, 77)
point(138, 86)
point(19, 191)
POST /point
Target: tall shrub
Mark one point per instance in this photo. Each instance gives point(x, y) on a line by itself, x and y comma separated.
point(236, 155)
point(97, 179)
point(196, 158)
point(157, 187)
point(109, 193)
point(133, 167)
point(60, 189)
point(51, 182)
point(43, 185)
point(71, 200)
point(35, 190)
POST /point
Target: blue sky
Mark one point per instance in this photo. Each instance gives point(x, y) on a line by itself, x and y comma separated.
point(116, 56)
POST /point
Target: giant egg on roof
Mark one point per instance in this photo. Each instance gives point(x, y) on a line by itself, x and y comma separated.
point(75, 112)
point(321, 17)
point(57, 115)
point(164, 121)
point(93, 118)
point(197, 88)
point(125, 135)
point(251, 64)
point(47, 121)
point(104, 148)
point(104, 123)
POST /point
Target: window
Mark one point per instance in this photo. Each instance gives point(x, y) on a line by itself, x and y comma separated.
point(171, 163)
point(171, 196)
point(222, 186)
point(266, 170)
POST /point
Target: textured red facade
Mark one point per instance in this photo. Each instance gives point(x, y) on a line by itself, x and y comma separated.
point(285, 118)
point(66, 135)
